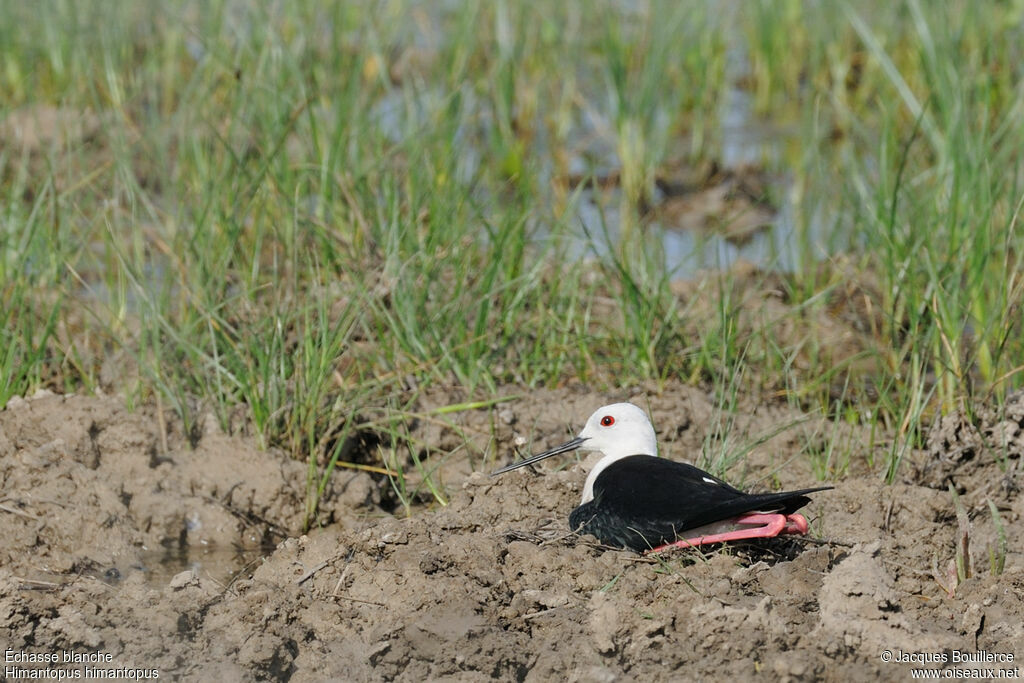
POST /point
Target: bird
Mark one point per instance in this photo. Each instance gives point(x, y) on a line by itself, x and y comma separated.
point(636, 500)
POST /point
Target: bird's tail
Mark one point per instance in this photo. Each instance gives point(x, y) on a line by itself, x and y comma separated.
point(783, 502)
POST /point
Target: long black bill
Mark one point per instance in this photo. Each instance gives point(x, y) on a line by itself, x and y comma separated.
point(567, 446)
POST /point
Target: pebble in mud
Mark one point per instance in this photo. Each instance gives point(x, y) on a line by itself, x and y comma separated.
point(183, 579)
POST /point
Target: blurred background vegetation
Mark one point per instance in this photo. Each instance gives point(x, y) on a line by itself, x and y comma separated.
point(292, 214)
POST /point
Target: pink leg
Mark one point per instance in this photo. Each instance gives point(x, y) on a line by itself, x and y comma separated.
point(795, 524)
point(767, 526)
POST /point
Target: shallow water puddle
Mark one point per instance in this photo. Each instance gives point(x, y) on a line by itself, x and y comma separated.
point(222, 564)
point(158, 567)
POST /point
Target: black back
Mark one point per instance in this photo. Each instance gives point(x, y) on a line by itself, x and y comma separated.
point(641, 502)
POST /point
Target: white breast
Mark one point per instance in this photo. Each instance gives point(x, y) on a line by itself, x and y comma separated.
point(588, 485)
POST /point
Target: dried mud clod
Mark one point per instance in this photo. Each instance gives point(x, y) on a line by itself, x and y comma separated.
point(960, 445)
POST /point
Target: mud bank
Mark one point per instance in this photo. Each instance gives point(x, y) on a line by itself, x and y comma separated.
point(491, 585)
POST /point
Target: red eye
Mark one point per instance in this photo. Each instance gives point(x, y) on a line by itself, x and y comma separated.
point(607, 421)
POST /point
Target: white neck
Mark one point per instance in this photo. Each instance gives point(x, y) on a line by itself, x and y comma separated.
point(588, 486)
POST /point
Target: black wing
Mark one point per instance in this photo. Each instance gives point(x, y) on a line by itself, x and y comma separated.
point(641, 502)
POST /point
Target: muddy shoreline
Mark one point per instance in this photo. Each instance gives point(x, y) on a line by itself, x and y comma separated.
point(490, 585)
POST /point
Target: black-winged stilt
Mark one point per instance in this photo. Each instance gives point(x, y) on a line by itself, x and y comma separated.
point(634, 499)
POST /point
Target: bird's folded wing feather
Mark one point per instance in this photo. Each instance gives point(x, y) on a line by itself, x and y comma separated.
point(642, 501)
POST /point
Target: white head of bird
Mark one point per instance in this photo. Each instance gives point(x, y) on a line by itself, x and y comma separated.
point(618, 431)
